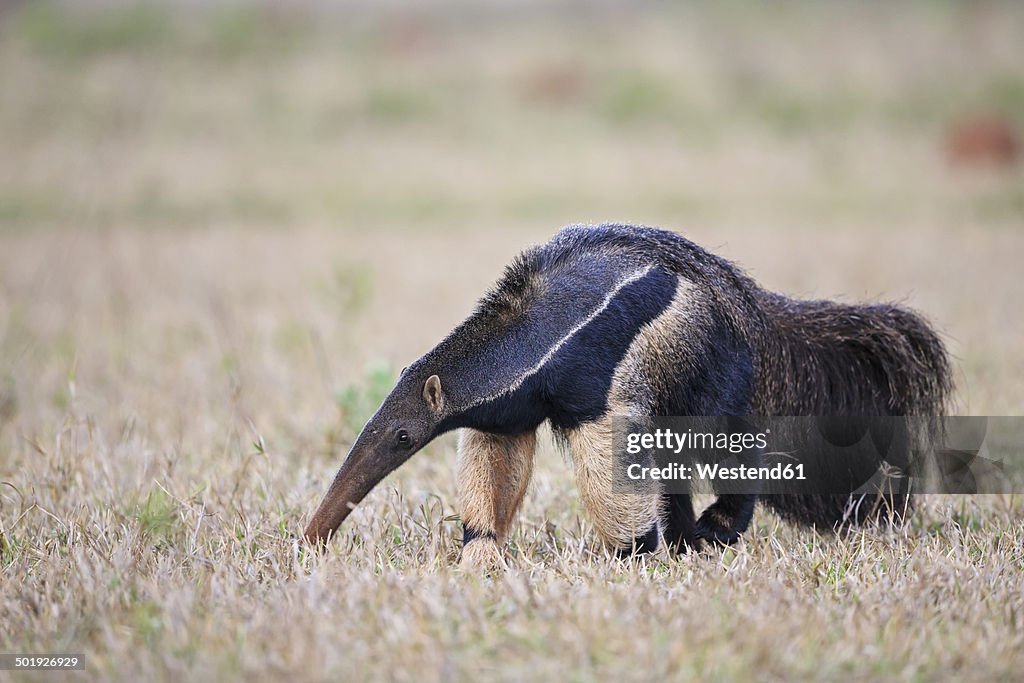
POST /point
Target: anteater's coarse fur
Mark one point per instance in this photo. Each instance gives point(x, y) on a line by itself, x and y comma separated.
point(621, 319)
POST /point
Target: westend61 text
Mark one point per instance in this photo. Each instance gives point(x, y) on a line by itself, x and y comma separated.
point(715, 472)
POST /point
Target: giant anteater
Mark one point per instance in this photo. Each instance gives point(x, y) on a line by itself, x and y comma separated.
point(616, 319)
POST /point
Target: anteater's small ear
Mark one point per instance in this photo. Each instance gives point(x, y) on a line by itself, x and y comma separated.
point(432, 392)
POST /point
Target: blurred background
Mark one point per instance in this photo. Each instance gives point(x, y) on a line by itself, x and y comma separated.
point(468, 115)
point(281, 202)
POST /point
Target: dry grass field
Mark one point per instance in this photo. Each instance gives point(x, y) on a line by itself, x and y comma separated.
point(221, 232)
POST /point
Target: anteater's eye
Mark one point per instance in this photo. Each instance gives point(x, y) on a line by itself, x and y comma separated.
point(403, 438)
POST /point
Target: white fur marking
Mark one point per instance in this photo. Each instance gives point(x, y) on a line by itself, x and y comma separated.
point(529, 372)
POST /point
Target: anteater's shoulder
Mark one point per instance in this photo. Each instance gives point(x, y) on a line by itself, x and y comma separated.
point(581, 264)
point(583, 244)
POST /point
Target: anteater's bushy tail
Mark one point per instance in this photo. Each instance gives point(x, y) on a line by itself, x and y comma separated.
point(829, 359)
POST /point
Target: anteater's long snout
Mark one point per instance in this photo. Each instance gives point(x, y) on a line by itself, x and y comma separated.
point(350, 486)
point(364, 468)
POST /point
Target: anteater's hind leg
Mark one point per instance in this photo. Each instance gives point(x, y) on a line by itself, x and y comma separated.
point(493, 472)
point(680, 523)
point(727, 518)
point(625, 521)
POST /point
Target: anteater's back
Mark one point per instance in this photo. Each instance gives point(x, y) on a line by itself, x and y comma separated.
point(826, 358)
point(811, 358)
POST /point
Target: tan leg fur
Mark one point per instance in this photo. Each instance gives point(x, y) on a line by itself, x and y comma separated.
point(618, 517)
point(492, 475)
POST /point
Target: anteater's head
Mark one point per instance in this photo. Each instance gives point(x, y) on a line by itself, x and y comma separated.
point(408, 420)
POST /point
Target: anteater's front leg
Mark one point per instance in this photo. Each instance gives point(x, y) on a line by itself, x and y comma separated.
point(626, 521)
point(493, 472)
